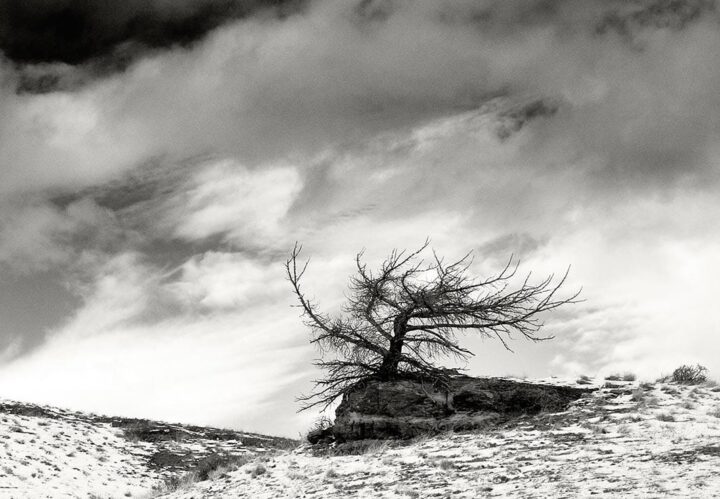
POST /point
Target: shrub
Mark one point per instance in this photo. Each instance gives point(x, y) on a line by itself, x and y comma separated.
point(623, 429)
point(356, 448)
point(638, 395)
point(258, 470)
point(446, 464)
point(322, 423)
point(320, 431)
point(175, 482)
point(205, 469)
point(621, 377)
point(690, 375)
point(217, 462)
point(407, 492)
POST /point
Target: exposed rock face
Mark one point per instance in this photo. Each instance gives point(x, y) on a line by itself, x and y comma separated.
point(405, 408)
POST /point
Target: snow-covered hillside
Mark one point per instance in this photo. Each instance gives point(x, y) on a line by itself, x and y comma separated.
point(52, 453)
point(627, 439)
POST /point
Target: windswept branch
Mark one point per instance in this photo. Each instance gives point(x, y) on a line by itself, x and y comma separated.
point(400, 320)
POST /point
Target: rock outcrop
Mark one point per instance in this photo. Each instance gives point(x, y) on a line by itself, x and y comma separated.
point(407, 408)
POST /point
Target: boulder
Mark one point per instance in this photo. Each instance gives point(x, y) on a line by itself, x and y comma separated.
point(407, 408)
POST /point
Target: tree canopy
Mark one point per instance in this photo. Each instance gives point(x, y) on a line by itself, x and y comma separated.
point(400, 320)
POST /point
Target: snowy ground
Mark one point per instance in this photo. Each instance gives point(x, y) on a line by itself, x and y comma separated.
point(661, 440)
point(52, 453)
point(625, 440)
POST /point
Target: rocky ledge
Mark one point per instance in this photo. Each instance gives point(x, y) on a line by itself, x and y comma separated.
point(408, 408)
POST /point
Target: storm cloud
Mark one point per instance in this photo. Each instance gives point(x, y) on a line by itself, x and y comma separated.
point(74, 31)
point(158, 159)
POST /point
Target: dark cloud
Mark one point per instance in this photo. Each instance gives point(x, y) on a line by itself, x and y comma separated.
point(137, 186)
point(111, 34)
point(513, 120)
point(76, 31)
point(506, 17)
point(670, 14)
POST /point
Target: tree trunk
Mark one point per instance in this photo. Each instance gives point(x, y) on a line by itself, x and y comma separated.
point(391, 361)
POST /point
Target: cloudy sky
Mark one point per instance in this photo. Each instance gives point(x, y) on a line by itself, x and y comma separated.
point(159, 158)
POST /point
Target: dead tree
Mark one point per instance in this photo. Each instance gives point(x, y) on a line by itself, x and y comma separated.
point(397, 322)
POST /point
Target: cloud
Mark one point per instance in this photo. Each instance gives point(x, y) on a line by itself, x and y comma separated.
point(227, 281)
point(222, 367)
point(649, 273)
point(76, 31)
point(36, 235)
point(336, 74)
point(225, 198)
point(30, 237)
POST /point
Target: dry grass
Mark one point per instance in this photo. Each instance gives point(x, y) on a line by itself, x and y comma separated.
point(712, 385)
point(405, 491)
point(358, 448)
point(209, 468)
point(443, 464)
point(638, 395)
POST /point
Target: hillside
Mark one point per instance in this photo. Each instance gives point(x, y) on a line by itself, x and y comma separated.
point(625, 439)
point(50, 452)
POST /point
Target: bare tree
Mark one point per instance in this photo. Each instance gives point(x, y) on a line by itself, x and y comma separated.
point(401, 319)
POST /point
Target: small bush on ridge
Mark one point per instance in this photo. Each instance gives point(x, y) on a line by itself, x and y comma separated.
point(690, 375)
